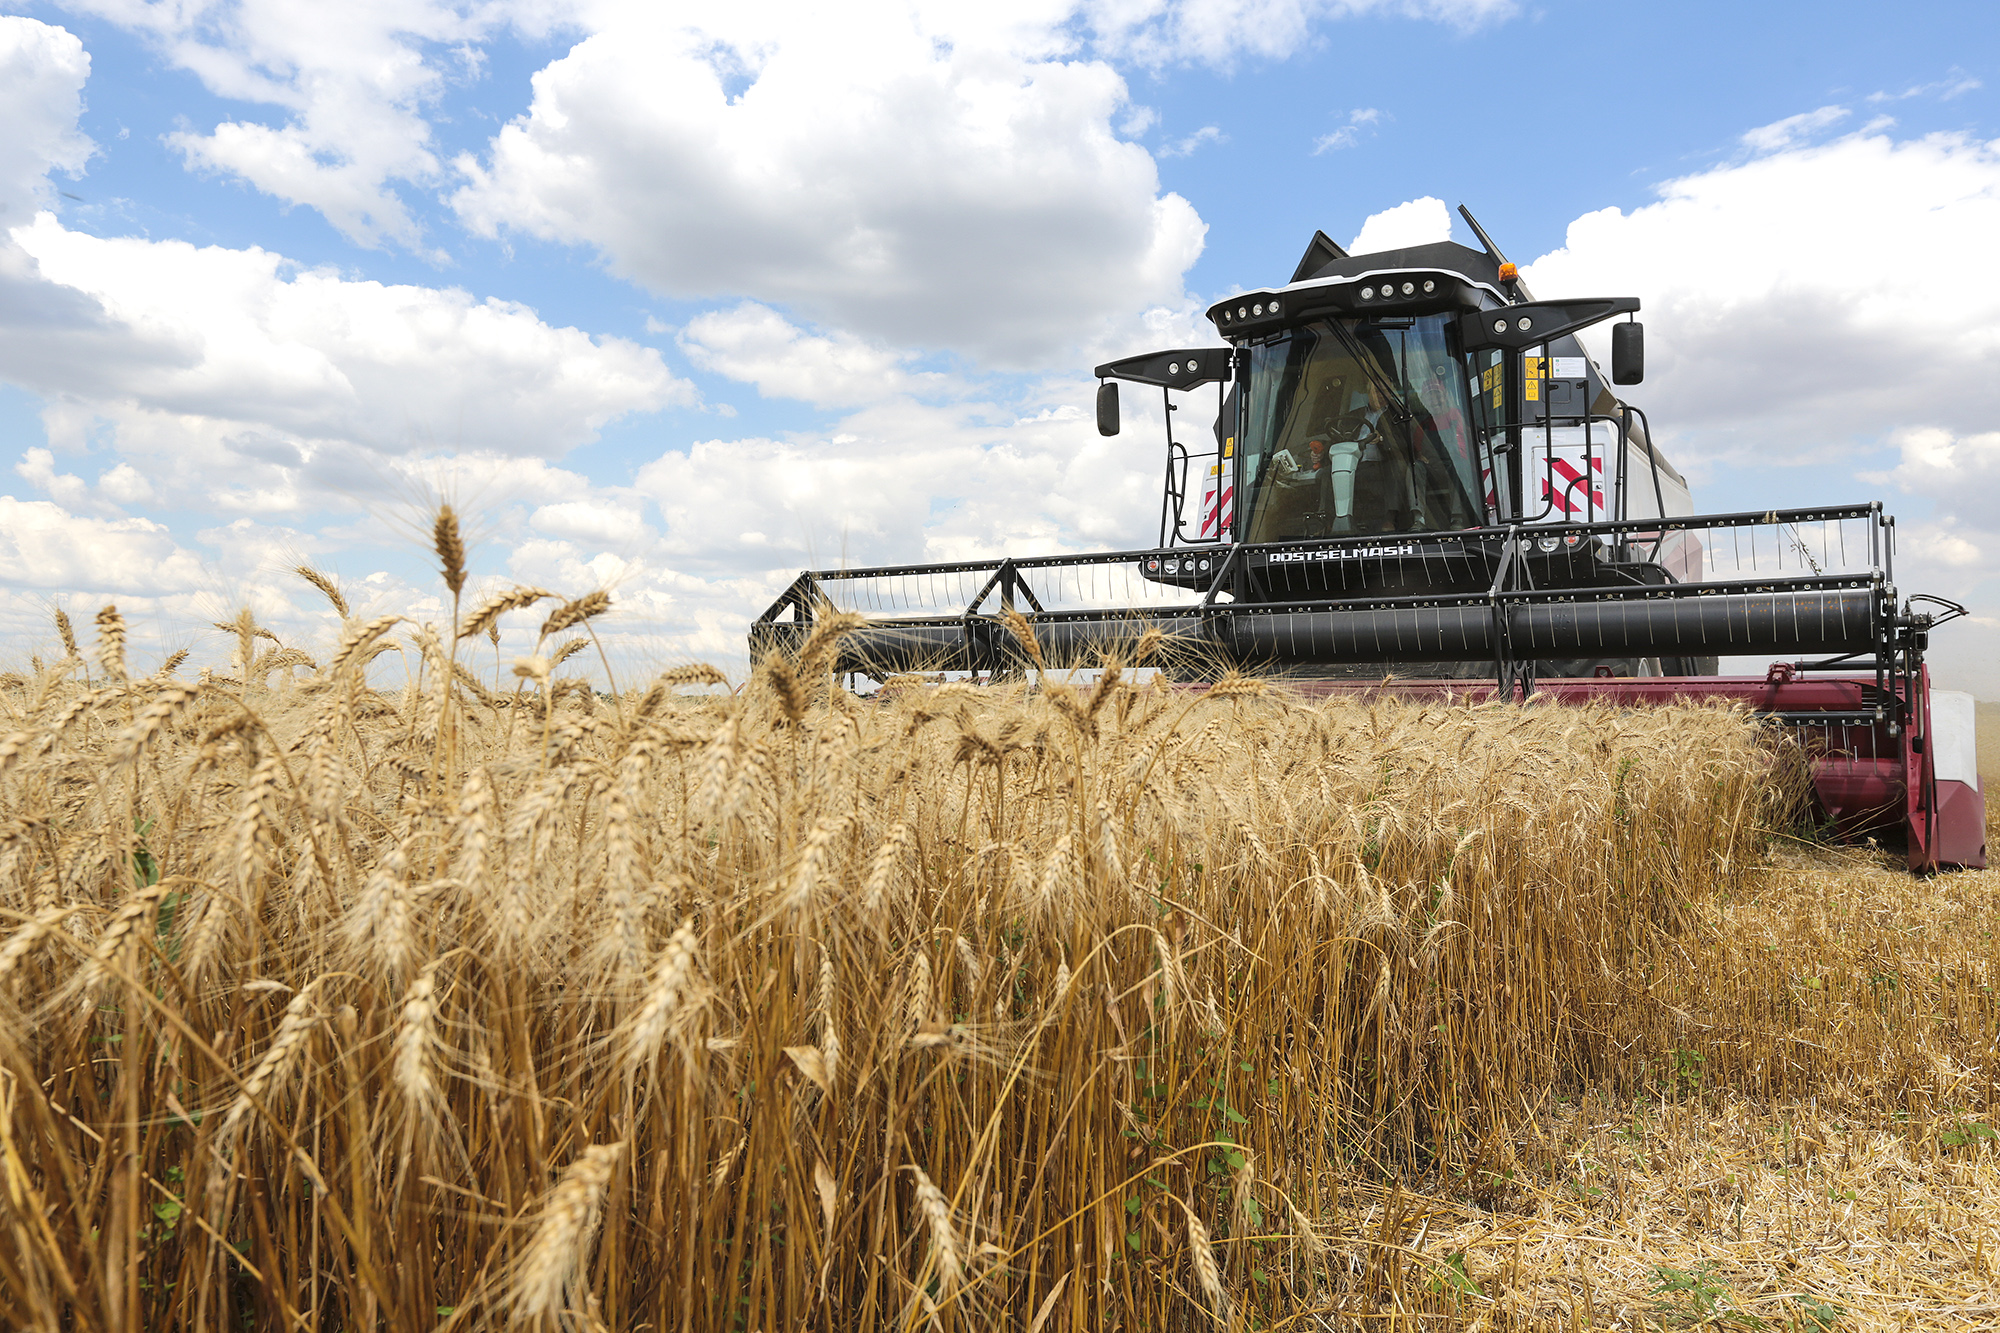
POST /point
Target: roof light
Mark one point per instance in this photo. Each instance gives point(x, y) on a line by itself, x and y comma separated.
point(1257, 309)
point(1274, 307)
point(1499, 326)
point(1508, 273)
point(1173, 367)
point(1524, 324)
point(1430, 284)
point(1242, 312)
point(1409, 287)
point(1367, 293)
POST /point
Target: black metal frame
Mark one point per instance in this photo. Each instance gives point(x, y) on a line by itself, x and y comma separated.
point(1518, 612)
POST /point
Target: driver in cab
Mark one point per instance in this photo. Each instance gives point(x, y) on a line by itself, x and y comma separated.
point(1334, 455)
point(1297, 508)
point(1315, 480)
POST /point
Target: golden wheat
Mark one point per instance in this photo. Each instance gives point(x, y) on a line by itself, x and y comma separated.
point(1071, 1005)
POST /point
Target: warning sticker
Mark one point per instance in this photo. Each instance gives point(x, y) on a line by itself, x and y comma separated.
point(1568, 367)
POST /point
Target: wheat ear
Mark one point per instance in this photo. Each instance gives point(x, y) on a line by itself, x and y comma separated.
point(552, 1268)
point(945, 1249)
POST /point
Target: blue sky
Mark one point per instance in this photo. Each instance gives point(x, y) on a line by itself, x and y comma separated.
point(678, 303)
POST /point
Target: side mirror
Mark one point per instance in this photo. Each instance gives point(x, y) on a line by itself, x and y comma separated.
point(1107, 408)
point(1628, 353)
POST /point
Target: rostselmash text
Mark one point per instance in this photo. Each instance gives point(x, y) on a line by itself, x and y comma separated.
point(1340, 553)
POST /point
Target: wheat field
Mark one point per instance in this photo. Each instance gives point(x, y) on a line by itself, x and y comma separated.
point(337, 994)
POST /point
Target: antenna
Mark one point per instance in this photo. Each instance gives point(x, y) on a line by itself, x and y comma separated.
point(1493, 251)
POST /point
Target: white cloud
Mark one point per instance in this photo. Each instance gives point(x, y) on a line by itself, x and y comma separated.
point(1817, 297)
point(1348, 135)
point(42, 73)
point(352, 85)
point(1956, 83)
point(1207, 134)
point(1960, 474)
point(233, 379)
point(44, 546)
point(755, 343)
point(1789, 131)
point(275, 378)
point(1418, 222)
point(125, 485)
point(1220, 32)
point(849, 165)
point(607, 526)
point(353, 82)
point(1138, 120)
point(38, 468)
point(905, 481)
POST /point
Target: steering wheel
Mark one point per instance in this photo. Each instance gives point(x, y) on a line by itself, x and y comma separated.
point(1352, 426)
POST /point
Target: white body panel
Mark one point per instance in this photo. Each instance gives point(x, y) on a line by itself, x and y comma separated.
point(1954, 737)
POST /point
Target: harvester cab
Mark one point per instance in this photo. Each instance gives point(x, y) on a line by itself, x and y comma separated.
point(1419, 480)
point(1386, 395)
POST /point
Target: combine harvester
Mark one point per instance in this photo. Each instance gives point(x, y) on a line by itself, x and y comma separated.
point(1420, 482)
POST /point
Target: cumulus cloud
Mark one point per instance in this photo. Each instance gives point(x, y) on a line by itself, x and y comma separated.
point(1808, 302)
point(353, 83)
point(756, 344)
point(42, 73)
point(1960, 475)
point(232, 381)
point(44, 546)
point(904, 481)
point(596, 522)
point(38, 468)
point(265, 371)
point(850, 166)
point(1418, 222)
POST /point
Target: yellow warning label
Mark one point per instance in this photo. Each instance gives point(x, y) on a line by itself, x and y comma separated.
point(1229, 447)
point(1531, 378)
